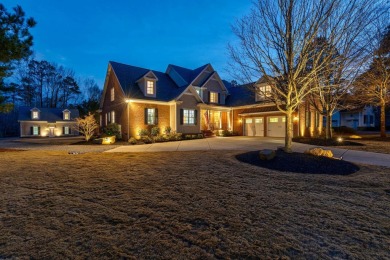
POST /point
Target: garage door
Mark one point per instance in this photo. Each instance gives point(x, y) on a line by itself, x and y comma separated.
point(254, 126)
point(276, 126)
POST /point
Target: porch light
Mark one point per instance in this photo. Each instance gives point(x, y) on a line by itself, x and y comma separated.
point(339, 139)
point(295, 118)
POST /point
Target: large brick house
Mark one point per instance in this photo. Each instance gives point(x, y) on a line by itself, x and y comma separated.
point(192, 100)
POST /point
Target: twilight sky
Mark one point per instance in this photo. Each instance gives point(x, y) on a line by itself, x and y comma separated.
point(84, 35)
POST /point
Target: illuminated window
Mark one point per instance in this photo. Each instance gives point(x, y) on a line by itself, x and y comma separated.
point(213, 97)
point(263, 92)
point(258, 120)
point(66, 116)
point(66, 130)
point(35, 130)
point(112, 116)
point(150, 116)
point(248, 121)
point(273, 119)
point(35, 115)
point(189, 117)
point(112, 94)
point(284, 119)
point(149, 87)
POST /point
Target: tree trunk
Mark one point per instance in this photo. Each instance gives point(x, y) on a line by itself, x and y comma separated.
point(328, 126)
point(383, 118)
point(289, 131)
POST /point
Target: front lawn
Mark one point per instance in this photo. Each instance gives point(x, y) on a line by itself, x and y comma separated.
point(186, 205)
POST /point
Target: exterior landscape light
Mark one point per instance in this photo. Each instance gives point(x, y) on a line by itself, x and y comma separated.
point(339, 139)
point(295, 118)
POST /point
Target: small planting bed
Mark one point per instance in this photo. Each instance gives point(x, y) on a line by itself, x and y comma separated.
point(300, 163)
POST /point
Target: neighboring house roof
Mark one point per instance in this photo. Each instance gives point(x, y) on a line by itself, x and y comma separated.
point(128, 76)
point(46, 114)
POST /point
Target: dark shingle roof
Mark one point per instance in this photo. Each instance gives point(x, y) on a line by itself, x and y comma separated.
point(46, 114)
point(188, 74)
point(166, 89)
point(240, 95)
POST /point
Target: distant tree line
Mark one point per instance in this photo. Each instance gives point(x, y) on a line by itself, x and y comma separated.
point(30, 82)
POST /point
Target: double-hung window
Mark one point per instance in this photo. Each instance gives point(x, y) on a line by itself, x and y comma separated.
point(35, 115)
point(150, 116)
point(150, 87)
point(213, 97)
point(189, 117)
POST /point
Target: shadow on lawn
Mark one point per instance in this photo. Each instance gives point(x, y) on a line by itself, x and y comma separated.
point(300, 163)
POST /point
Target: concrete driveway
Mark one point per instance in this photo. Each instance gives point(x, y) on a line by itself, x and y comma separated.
point(252, 144)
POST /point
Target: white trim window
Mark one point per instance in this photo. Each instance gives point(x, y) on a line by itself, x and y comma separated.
point(151, 116)
point(263, 92)
point(213, 97)
point(66, 130)
point(35, 130)
point(150, 87)
point(112, 94)
point(112, 116)
point(35, 115)
point(188, 116)
point(66, 116)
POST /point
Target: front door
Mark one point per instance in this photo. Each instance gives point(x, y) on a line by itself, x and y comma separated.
point(51, 131)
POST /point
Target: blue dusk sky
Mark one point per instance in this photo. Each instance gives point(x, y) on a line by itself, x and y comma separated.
point(84, 35)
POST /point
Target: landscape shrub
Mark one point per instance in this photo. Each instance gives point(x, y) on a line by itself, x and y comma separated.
point(147, 140)
point(229, 133)
point(344, 130)
point(113, 129)
point(132, 140)
point(159, 139)
point(155, 131)
point(143, 132)
point(167, 130)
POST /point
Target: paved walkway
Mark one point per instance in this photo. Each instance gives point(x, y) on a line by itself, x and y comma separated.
point(252, 144)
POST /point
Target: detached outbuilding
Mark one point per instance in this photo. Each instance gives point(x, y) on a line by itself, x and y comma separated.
point(49, 122)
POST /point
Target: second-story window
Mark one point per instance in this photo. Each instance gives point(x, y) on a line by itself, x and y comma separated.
point(112, 94)
point(213, 97)
point(150, 87)
point(35, 115)
point(264, 92)
point(66, 116)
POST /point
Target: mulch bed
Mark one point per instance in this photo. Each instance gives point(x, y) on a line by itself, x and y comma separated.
point(325, 142)
point(10, 150)
point(300, 163)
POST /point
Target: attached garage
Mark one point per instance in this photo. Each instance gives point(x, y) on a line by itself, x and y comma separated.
point(276, 126)
point(254, 126)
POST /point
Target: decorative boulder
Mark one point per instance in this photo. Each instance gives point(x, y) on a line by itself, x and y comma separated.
point(267, 154)
point(320, 152)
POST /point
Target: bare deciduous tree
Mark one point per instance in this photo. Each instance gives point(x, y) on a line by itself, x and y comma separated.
point(276, 40)
point(86, 126)
point(373, 86)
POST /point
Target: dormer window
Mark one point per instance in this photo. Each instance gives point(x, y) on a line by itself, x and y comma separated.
point(263, 93)
point(149, 87)
point(66, 114)
point(35, 115)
